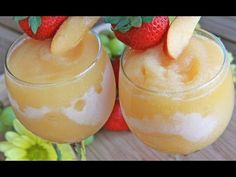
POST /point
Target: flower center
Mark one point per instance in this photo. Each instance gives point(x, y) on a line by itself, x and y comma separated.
point(37, 152)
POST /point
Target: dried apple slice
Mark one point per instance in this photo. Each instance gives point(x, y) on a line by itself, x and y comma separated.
point(70, 33)
point(179, 34)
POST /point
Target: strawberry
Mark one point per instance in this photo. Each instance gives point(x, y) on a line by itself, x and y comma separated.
point(116, 67)
point(116, 121)
point(40, 28)
point(139, 32)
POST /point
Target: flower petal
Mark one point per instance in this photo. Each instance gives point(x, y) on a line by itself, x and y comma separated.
point(23, 131)
point(39, 140)
point(16, 140)
point(66, 152)
point(28, 139)
point(15, 153)
point(21, 142)
point(20, 128)
point(10, 136)
point(16, 158)
point(52, 155)
point(4, 146)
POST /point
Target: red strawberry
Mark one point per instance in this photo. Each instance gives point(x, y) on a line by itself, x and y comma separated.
point(139, 32)
point(116, 67)
point(41, 28)
point(116, 121)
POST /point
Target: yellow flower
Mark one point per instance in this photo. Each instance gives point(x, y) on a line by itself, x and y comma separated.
point(23, 145)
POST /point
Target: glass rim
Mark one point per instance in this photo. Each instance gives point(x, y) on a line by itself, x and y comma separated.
point(73, 78)
point(195, 88)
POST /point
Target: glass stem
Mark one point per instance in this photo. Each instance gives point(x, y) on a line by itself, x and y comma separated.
point(175, 157)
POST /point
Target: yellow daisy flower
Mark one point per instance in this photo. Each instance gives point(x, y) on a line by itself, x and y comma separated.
point(23, 145)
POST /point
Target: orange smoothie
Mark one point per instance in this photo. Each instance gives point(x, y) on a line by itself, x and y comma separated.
point(178, 106)
point(63, 98)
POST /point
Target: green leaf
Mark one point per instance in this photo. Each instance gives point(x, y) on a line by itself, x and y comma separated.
point(147, 19)
point(112, 19)
point(122, 23)
point(136, 21)
point(18, 18)
point(125, 23)
point(125, 28)
point(34, 23)
point(2, 127)
point(8, 116)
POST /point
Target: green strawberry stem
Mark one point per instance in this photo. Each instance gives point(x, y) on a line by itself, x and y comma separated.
point(58, 152)
point(125, 23)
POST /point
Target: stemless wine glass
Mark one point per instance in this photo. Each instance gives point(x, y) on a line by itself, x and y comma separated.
point(183, 121)
point(65, 111)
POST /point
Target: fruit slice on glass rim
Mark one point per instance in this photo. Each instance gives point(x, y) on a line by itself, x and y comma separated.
point(179, 34)
point(70, 33)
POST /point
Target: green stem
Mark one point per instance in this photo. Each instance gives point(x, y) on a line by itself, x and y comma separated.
point(57, 151)
point(83, 151)
point(80, 150)
point(1, 106)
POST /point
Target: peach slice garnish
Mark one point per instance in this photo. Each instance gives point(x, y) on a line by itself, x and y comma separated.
point(179, 35)
point(71, 32)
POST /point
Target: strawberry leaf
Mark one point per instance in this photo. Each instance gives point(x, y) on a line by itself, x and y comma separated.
point(122, 23)
point(112, 19)
point(147, 19)
point(34, 23)
point(125, 28)
point(136, 21)
point(125, 23)
point(18, 18)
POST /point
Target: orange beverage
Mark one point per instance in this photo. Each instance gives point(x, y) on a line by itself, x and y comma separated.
point(62, 98)
point(178, 106)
